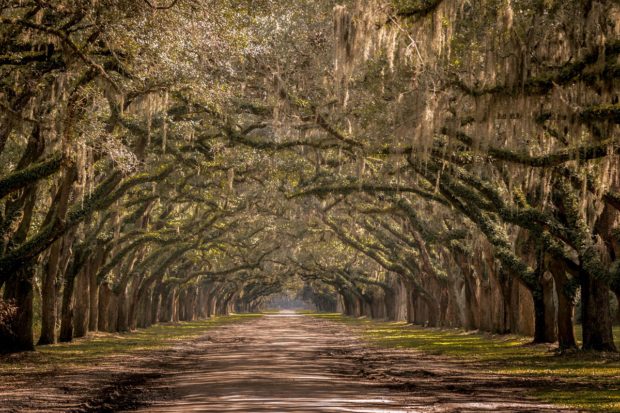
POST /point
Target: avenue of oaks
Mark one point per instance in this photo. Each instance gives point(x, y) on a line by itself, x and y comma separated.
point(445, 162)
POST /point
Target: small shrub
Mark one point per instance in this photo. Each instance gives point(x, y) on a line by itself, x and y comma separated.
point(8, 313)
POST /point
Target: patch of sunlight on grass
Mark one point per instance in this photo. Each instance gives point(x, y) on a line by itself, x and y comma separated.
point(96, 347)
point(599, 400)
point(578, 334)
point(596, 377)
point(338, 317)
point(307, 312)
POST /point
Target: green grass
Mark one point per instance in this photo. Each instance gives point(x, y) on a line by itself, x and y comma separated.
point(99, 348)
point(595, 377)
point(311, 312)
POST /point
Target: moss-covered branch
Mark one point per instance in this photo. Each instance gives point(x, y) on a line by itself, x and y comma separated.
point(581, 153)
point(580, 233)
point(272, 145)
point(415, 8)
point(104, 195)
point(610, 113)
point(33, 173)
point(379, 258)
point(347, 189)
point(140, 241)
point(542, 84)
point(64, 37)
point(464, 200)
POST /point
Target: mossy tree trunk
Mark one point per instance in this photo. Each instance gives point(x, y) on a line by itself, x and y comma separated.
point(595, 303)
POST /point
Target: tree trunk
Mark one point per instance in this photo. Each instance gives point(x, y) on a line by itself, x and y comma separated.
point(503, 320)
point(78, 265)
point(93, 301)
point(543, 333)
point(113, 313)
point(469, 319)
point(390, 304)
point(156, 305)
point(471, 304)
point(346, 301)
point(49, 298)
point(145, 308)
point(105, 295)
point(566, 332)
point(210, 303)
point(122, 324)
point(192, 304)
point(66, 319)
point(433, 311)
point(618, 306)
point(181, 306)
point(550, 308)
point(201, 308)
point(81, 307)
point(167, 305)
point(444, 306)
point(411, 299)
point(596, 315)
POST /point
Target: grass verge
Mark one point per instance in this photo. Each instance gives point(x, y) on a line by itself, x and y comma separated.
point(593, 379)
point(97, 347)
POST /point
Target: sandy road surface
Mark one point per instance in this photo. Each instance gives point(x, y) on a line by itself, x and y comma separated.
point(295, 363)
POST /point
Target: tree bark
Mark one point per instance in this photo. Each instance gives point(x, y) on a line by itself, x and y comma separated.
point(93, 301)
point(596, 315)
point(566, 332)
point(66, 319)
point(433, 310)
point(390, 304)
point(618, 307)
point(123, 324)
point(105, 295)
point(543, 332)
point(81, 307)
point(48, 296)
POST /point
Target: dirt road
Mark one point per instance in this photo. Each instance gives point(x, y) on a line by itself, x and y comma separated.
point(294, 363)
point(275, 363)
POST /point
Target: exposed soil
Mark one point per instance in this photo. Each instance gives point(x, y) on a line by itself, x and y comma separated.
point(277, 363)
